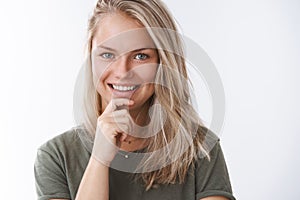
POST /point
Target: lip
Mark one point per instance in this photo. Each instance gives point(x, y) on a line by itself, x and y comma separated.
point(123, 94)
point(123, 84)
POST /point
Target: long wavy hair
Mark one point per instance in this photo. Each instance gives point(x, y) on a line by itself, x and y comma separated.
point(182, 131)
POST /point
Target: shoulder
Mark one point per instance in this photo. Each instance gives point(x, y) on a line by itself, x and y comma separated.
point(210, 142)
point(62, 140)
point(211, 174)
point(62, 154)
point(207, 133)
point(65, 143)
point(59, 164)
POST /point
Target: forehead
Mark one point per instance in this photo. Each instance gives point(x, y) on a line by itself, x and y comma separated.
point(122, 33)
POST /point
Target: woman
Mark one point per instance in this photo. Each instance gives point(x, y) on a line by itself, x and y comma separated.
point(138, 136)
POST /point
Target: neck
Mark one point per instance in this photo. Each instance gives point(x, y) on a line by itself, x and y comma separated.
point(141, 118)
point(133, 144)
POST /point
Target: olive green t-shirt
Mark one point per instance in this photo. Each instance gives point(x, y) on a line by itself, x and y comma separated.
point(61, 162)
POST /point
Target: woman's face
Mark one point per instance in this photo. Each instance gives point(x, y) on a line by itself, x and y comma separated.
point(124, 60)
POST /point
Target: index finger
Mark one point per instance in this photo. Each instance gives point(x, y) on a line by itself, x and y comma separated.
point(115, 103)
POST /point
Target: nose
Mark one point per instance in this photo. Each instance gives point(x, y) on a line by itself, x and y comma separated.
point(121, 67)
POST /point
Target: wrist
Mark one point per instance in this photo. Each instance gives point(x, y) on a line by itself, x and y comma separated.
point(94, 160)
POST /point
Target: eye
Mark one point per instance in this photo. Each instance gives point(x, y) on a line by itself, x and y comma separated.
point(107, 55)
point(141, 56)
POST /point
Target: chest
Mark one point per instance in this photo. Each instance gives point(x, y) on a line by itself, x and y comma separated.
point(125, 186)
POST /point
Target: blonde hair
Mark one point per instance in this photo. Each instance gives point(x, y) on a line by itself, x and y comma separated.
point(182, 125)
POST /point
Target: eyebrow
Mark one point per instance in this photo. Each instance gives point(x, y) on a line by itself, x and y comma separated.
point(111, 49)
point(104, 47)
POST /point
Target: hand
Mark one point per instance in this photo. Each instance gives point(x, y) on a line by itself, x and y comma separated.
point(113, 126)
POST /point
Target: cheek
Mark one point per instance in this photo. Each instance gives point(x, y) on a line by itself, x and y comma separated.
point(144, 94)
point(151, 89)
point(98, 71)
point(146, 73)
point(148, 90)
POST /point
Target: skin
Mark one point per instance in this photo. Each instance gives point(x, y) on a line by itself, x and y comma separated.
point(123, 59)
point(125, 55)
point(114, 124)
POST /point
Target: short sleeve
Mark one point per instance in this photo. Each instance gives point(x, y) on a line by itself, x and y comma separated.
point(212, 178)
point(51, 182)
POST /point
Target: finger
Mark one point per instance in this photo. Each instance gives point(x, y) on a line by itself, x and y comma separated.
point(108, 122)
point(123, 137)
point(113, 132)
point(113, 129)
point(120, 113)
point(115, 103)
point(118, 120)
point(106, 117)
point(122, 101)
point(116, 113)
point(121, 128)
point(122, 116)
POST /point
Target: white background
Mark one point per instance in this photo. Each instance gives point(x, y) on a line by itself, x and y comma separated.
point(254, 44)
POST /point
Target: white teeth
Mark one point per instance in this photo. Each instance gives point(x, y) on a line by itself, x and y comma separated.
point(124, 88)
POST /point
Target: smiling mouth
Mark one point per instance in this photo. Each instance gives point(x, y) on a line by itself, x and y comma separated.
point(123, 88)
